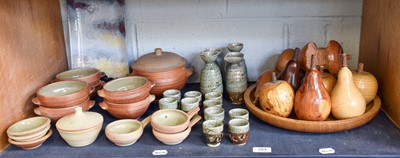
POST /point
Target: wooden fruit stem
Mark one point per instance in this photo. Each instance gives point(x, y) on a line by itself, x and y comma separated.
point(360, 68)
point(296, 53)
point(273, 77)
point(312, 61)
point(321, 69)
point(344, 60)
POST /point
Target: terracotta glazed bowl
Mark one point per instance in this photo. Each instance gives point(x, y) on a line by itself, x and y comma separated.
point(56, 113)
point(28, 126)
point(62, 94)
point(172, 120)
point(166, 69)
point(28, 145)
point(88, 75)
point(30, 137)
point(127, 111)
point(125, 132)
point(126, 90)
point(176, 138)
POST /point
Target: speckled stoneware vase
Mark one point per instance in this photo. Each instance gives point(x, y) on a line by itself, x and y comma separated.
point(210, 76)
point(213, 132)
point(236, 78)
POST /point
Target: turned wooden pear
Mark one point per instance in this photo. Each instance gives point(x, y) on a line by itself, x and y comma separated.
point(277, 97)
point(284, 58)
point(265, 77)
point(365, 82)
point(347, 100)
point(312, 101)
point(328, 79)
point(292, 72)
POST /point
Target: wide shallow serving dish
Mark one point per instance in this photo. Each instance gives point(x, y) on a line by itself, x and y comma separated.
point(292, 123)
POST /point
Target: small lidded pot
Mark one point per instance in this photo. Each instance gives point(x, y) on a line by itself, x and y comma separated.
point(166, 69)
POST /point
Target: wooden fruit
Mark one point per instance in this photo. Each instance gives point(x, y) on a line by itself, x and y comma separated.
point(365, 82)
point(328, 79)
point(312, 101)
point(292, 72)
point(277, 97)
point(329, 57)
point(347, 100)
point(265, 77)
point(284, 58)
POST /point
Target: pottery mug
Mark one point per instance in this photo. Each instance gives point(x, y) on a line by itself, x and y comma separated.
point(238, 113)
point(213, 96)
point(193, 94)
point(239, 131)
point(188, 104)
point(214, 113)
point(174, 93)
point(168, 103)
point(211, 103)
point(213, 132)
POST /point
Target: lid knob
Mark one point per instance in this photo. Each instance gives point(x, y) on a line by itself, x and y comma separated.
point(78, 111)
point(158, 51)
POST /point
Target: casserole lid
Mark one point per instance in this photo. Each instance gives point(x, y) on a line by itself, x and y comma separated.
point(79, 120)
point(158, 61)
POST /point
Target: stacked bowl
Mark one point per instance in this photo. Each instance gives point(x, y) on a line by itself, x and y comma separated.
point(29, 133)
point(89, 75)
point(172, 126)
point(58, 99)
point(80, 128)
point(127, 97)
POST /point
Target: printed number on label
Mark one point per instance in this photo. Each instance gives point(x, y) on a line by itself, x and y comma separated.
point(326, 151)
point(262, 150)
point(160, 152)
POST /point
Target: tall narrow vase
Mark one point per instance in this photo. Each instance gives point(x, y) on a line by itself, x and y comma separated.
point(210, 77)
point(236, 78)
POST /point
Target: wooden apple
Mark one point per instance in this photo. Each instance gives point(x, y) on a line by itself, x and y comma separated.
point(265, 77)
point(365, 82)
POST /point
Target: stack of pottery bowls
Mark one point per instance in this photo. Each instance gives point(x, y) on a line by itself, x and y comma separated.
point(58, 99)
point(172, 126)
point(89, 75)
point(29, 133)
point(80, 128)
point(127, 97)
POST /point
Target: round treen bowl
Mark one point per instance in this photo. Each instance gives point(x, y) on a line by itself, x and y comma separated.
point(172, 120)
point(28, 145)
point(56, 113)
point(127, 111)
point(126, 89)
point(31, 137)
point(80, 138)
point(62, 94)
point(88, 75)
point(28, 126)
point(293, 123)
point(125, 132)
point(176, 138)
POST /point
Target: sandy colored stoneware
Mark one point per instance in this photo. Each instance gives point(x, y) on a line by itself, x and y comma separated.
point(56, 113)
point(347, 100)
point(276, 97)
point(284, 58)
point(166, 69)
point(236, 77)
point(79, 121)
point(210, 103)
point(62, 94)
point(127, 111)
point(214, 113)
point(80, 138)
point(172, 120)
point(194, 94)
point(28, 126)
point(30, 137)
point(29, 145)
point(365, 82)
point(238, 113)
point(126, 132)
point(126, 89)
point(293, 123)
point(213, 96)
point(176, 138)
point(168, 103)
point(88, 75)
point(188, 104)
point(174, 93)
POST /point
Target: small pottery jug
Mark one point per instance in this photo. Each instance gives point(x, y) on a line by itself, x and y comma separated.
point(236, 47)
point(210, 76)
point(236, 78)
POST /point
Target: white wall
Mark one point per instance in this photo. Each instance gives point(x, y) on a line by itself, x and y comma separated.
point(266, 27)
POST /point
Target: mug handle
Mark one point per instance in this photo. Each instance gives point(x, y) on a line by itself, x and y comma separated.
point(37, 111)
point(151, 98)
point(146, 121)
point(189, 72)
point(193, 112)
point(152, 84)
point(101, 93)
point(195, 119)
point(103, 105)
point(36, 101)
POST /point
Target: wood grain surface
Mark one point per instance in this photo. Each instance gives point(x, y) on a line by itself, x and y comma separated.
point(380, 51)
point(32, 51)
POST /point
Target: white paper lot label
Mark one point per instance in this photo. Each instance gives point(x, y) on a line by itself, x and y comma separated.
point(262, 150)
point(160, 152)
point(326, 151)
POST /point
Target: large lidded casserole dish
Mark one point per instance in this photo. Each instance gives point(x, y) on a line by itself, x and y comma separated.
point(166, 69)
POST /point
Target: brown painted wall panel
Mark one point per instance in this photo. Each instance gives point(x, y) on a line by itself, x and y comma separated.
point(380, 50)
point(32, 51)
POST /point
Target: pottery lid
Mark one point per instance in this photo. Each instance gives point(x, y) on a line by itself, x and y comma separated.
point(79, 120)
point(158, 61)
